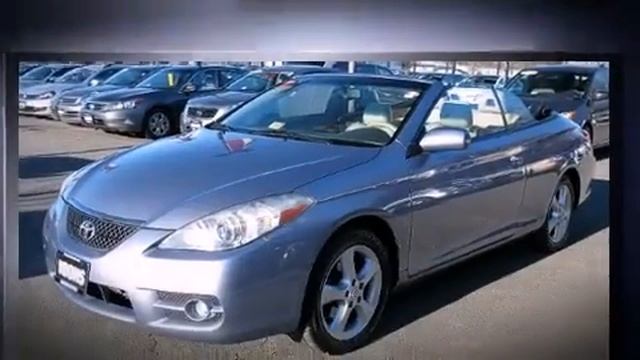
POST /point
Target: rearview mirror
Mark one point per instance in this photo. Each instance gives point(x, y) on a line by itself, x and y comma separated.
point(445, 139)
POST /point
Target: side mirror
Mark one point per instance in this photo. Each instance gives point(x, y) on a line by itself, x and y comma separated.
point(601, 95)
point(189, 88)
point(444, 139)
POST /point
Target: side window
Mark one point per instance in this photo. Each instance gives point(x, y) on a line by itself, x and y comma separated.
point(205, 80)
point(476, 111)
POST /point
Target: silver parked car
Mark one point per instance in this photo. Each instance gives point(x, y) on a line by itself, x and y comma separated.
point(39, 100)
point(68, 107)
point(302, 209)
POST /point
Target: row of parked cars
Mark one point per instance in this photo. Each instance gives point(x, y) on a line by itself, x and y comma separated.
point(160, 100)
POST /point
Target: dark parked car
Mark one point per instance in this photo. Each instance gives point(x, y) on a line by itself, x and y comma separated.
point(203, 110)
point(39, 99)
point(581, 93)
point(67, 107)
point(44, 74)
point(152, 108)
point(479, 81)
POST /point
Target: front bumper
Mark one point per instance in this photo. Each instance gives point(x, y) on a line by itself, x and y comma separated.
point(68, 113)
point(259, 286)
point(120, 120)
point(35, 107)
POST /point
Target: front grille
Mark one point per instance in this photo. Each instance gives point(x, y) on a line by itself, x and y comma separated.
point(69, 100)
point(201, 112)
point(95, 106)
point(106, 234)
point(29, 96)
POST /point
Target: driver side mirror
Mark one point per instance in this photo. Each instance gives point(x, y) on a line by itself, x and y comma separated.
point(445, 139)
point(189, 88)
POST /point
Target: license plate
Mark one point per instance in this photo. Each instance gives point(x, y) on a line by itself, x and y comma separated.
point(22, 105)
point(72, 272)
point(88, 119)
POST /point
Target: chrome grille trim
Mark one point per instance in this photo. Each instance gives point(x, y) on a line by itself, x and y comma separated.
point(108, 233)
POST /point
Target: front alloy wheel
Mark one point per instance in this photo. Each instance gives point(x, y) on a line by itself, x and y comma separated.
point(554, 234)
point(158, 125)
point(352, 287)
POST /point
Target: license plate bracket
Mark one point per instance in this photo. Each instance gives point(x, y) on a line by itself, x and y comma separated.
point(72, 272)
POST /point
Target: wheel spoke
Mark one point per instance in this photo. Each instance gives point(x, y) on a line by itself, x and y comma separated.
point(332, 293)
point(367, 272)
point(340, 320)
point(365, 310)
point(348, 266)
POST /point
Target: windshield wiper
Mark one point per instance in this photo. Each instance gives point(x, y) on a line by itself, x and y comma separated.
point(312, 138)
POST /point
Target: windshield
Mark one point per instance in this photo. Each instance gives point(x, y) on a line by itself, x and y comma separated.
point(105, 74)
point(76, 76)
point(253, 82)
point(347, 111)
point(129, 76)
point(37, 74)
point(537, 83)
point(478, 81)
point(167, 79)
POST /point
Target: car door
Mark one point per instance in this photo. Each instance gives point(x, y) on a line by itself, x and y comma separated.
point(463, 200)
point(600, 107)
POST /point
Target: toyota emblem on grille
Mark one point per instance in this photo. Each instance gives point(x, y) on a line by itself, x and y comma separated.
point(91, 106)
point(87, 230)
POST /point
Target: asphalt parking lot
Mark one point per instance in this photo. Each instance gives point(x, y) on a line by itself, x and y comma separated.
point(510, 303)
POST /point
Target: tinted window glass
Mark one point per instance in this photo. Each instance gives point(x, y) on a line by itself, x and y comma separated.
point(168, 79)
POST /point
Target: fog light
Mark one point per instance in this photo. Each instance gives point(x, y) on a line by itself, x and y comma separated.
point(198, 310)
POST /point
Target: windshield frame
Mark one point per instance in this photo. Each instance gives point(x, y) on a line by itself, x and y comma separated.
point(422, 86)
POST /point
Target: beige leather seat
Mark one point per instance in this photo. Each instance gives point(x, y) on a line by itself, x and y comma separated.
point(377, 116)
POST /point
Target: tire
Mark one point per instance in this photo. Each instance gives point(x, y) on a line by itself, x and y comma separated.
point(157, 124)
point(363, 314)
point(545, 238)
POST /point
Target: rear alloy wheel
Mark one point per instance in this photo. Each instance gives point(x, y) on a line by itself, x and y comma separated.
point(350, 294)
point(157, 125)
point(554, 234)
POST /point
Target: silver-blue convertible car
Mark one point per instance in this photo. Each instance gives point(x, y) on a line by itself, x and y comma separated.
point(299, 211)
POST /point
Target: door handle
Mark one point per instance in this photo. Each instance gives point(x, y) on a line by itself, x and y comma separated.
point(516, 160)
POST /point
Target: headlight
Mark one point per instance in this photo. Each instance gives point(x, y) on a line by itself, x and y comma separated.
point(47, 95)
point(124, 105)
point(238, 225)
point(570, 114)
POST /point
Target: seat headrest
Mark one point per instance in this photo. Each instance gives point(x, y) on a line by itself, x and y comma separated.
point(456, 115)
point(376, 113)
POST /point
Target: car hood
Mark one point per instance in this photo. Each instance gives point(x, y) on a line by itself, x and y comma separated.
point(558, 103)
point(44, 88)
point(171, 182)
point(222, 99)
point(91, 90)
point(126, 93)
point(23, 84)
